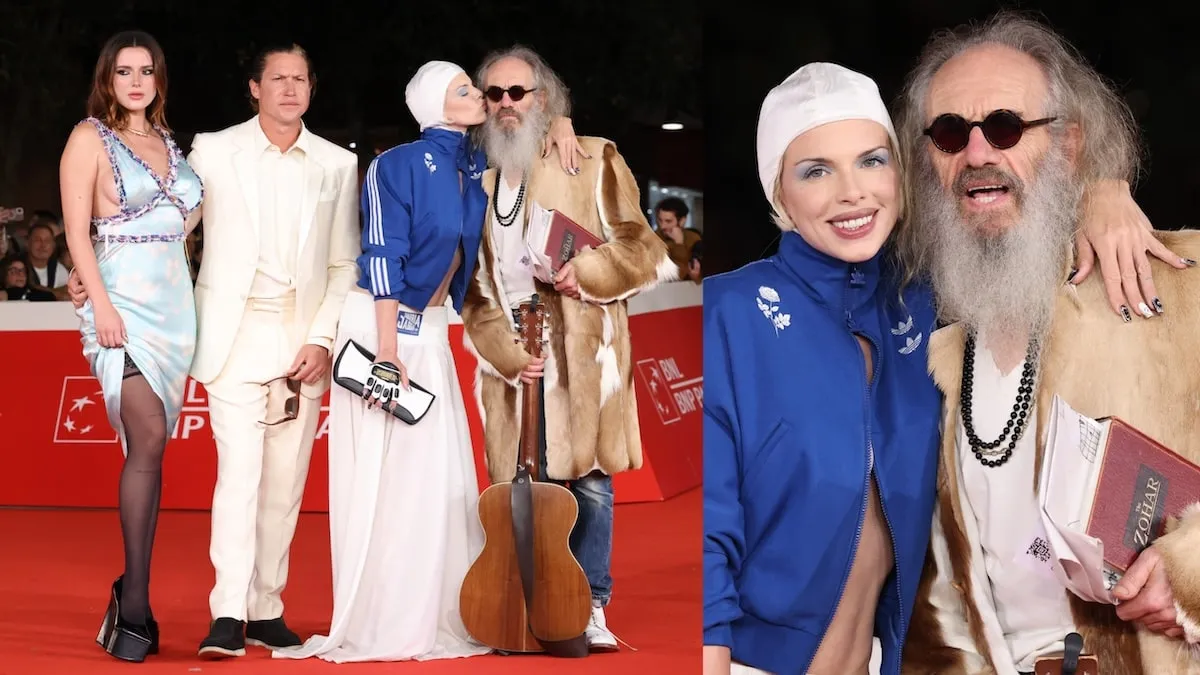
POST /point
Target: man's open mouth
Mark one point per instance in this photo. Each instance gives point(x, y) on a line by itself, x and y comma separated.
point(987, 193)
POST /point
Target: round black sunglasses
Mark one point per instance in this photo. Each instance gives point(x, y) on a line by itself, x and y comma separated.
point(1001, 128)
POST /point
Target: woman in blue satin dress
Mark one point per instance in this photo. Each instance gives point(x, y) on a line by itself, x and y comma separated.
point(129, 199)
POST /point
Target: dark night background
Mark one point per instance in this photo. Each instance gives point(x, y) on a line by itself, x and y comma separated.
point(629, 68)
point(1145, 48)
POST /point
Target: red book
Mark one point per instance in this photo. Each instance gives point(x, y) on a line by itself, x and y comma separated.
point(553, 238)
point(1142, 483)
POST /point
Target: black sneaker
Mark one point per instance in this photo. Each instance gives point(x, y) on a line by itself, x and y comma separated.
point(272, 634)
point(226, 637)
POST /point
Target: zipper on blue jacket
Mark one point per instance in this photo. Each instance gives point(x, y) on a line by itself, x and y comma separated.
point(899, 595)
point(463, 187)
point(855, 280)
point(870, 469)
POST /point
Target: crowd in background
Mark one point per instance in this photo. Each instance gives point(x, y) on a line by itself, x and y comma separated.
point(35, 261)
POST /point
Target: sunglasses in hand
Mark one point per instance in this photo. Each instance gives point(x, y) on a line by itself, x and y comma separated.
point(291, 405)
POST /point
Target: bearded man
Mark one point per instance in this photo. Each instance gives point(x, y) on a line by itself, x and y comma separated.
point(999, 198)
point(589, 411)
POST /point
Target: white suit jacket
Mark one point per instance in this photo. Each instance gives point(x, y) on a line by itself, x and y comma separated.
point(329, 241)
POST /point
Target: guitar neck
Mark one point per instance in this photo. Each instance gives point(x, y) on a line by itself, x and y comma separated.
point(530, 426)
point(531, 327)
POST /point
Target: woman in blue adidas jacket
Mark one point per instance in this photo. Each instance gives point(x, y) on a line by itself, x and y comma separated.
point(821, 424)
point(402, 518)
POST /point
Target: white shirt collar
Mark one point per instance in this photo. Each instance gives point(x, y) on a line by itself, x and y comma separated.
point(262, 143)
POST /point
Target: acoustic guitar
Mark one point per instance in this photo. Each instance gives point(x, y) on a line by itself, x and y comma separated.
point(526, 592)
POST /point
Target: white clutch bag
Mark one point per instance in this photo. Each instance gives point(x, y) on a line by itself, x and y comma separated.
point(352, 369)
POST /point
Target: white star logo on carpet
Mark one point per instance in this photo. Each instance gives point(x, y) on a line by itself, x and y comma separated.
point(660, 392)
point(81, 414)
point(79, 403)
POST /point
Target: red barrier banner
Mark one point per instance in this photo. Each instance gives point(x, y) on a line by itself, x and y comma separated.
point(59, 450)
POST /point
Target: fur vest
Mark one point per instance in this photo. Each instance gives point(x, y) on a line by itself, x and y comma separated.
point(591, 409)
point(1146, 372)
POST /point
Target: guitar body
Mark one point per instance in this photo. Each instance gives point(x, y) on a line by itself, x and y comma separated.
point(526, 592)
point(492, 599)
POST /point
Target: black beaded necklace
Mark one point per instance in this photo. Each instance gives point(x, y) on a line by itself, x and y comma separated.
point(984, 452)
point(506, 220)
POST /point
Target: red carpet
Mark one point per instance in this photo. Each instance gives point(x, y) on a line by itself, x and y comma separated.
point(56, 567)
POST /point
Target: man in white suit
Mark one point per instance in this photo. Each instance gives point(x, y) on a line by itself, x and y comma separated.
point(281, 240)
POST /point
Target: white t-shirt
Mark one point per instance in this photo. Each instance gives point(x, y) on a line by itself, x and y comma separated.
point(515, 273)
point(60, 276)
point(1030, 602)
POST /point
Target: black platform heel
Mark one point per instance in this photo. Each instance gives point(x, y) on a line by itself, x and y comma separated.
point(120, 639)
point(152, 628)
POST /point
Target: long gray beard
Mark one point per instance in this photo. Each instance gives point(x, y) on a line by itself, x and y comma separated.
point(1002, 286)
point(513, 150)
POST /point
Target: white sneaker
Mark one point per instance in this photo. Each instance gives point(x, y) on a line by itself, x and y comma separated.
point(599, 638)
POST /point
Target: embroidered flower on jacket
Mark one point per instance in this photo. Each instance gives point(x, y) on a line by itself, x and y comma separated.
point(429, 163)
point(768, 304)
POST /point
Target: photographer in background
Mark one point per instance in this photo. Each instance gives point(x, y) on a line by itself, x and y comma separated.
point(671, 216)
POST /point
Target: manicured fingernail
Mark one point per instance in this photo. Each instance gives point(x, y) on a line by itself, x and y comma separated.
point(1125, 314)
point(1158, 306)
point(1072, 274)
point(1145, 310)
point(1188, 261)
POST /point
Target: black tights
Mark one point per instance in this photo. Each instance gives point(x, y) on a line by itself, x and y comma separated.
point(145, 423)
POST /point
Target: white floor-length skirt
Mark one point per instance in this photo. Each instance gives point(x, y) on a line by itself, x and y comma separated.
point(403, 522)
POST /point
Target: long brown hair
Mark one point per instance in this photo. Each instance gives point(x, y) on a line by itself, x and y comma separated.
point(102, 102)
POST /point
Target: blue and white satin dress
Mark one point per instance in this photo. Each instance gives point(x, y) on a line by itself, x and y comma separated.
point(144, 266)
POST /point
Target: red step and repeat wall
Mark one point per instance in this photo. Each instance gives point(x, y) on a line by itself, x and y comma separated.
point(59, 450)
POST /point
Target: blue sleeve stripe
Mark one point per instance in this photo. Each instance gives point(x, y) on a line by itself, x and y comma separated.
point(380, 284)
point(374, 209)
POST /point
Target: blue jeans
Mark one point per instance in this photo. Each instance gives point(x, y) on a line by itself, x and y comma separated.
point(591, 539)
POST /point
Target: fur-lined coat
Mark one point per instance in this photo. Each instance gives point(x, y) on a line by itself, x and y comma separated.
point(591, 409)
point(1146, 372)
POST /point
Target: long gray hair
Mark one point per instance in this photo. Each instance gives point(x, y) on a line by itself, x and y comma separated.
point(557, 96)
point(1109, 139)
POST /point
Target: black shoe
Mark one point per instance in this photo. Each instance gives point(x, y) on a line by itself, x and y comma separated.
point(226, 637)
point(272, 634)
point(119, 638)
